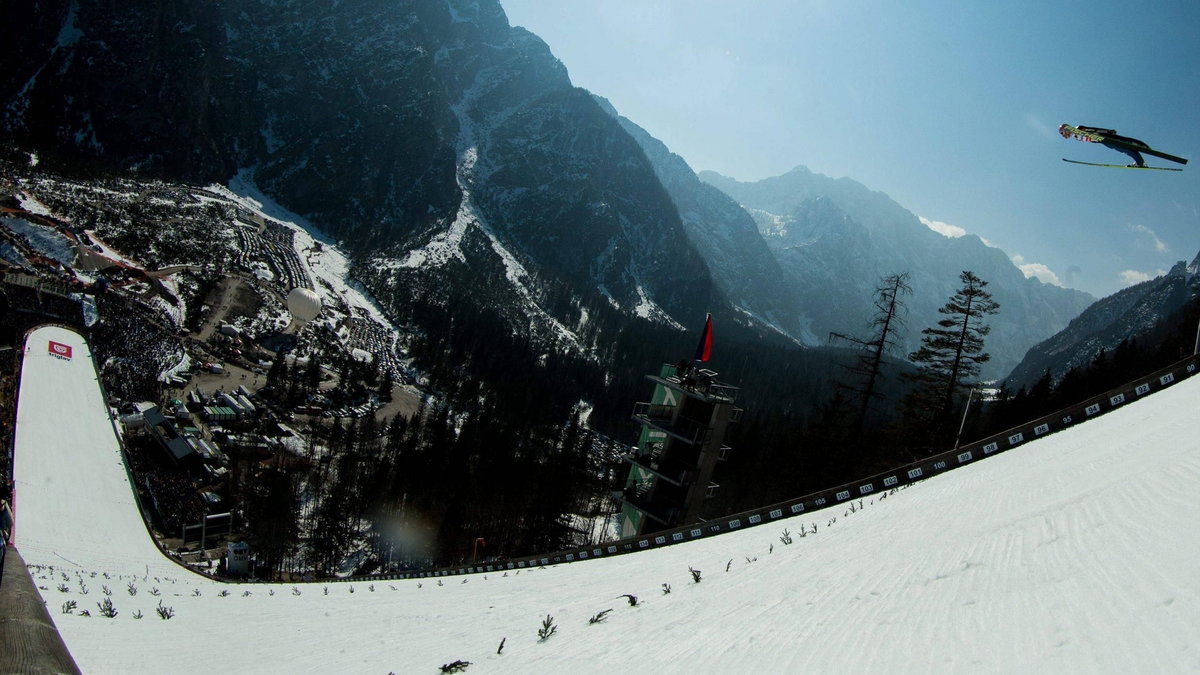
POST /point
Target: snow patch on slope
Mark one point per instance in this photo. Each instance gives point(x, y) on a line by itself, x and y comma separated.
point(446, 246)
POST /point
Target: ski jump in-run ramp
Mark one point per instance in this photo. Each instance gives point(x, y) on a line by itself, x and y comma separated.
point(1076, 552)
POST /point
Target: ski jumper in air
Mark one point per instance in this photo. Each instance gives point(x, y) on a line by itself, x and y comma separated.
point(1123, 144)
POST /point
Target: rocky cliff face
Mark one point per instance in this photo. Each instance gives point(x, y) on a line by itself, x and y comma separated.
point(742, 265)
point(835, 240)
point(450, 153)
point(444, 147)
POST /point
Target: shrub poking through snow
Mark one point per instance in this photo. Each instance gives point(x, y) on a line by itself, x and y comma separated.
point(548, 628)
point(455, 666)
point(224, 593)
point(631, 598)
point(137, 614)
point(786, 537)
point(599, 617)
point(154, 591)
point(165, 612)
point(295, 590)
point(695, 574)
point(107, 609)
point(63, 588)
point(501, 647)
point(69, 607)
point(666, 588)
point(106, 589)
point(131, 588)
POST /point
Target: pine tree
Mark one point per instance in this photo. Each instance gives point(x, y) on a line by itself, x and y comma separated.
point(386, 382)
point(952, 353)
point(312, 373)
point(271, 508)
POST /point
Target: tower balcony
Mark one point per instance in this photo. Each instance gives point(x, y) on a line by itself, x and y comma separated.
point(662, 417)
point(671, 472)
point(665, 515)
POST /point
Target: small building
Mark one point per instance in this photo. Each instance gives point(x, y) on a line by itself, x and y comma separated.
point(233, 402)
point(163, 430)
point(216, 413)
point(246, 405)
point(247, 443)
point(133, 421)
point(194, 402)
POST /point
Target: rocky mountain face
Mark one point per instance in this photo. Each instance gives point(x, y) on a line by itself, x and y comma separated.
point(1108, 322)
point(834, 240)
point(742, 265)
point(452, 156)
point(448, 150)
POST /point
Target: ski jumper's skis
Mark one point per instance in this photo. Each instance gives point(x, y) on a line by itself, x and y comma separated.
point(1124, 166)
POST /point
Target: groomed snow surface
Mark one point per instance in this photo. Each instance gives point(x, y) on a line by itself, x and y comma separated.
point(1077, 553)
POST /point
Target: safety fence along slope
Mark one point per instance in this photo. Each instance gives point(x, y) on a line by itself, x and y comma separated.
point(881, 482)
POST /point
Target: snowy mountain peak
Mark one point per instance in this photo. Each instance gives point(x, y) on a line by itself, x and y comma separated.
point(835, 238)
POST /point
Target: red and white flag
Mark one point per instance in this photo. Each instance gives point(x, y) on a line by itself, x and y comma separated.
point(60, 350)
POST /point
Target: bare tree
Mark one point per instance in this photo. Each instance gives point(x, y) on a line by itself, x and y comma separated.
point(885, 324)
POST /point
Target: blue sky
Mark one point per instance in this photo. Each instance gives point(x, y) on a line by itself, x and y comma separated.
point(948, 107)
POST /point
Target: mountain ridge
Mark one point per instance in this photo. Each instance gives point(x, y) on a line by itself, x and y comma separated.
point(449, 150)
point(1107, 323)
point(836, 238)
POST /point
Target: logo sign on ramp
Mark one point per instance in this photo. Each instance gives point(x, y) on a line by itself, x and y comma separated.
point(59, 350)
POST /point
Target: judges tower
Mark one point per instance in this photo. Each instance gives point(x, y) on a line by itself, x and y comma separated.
point(681, 440)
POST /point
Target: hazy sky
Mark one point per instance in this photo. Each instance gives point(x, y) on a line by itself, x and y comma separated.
point(949, 107)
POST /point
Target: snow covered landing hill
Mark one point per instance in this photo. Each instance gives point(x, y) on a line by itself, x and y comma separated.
point(1074, 553)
